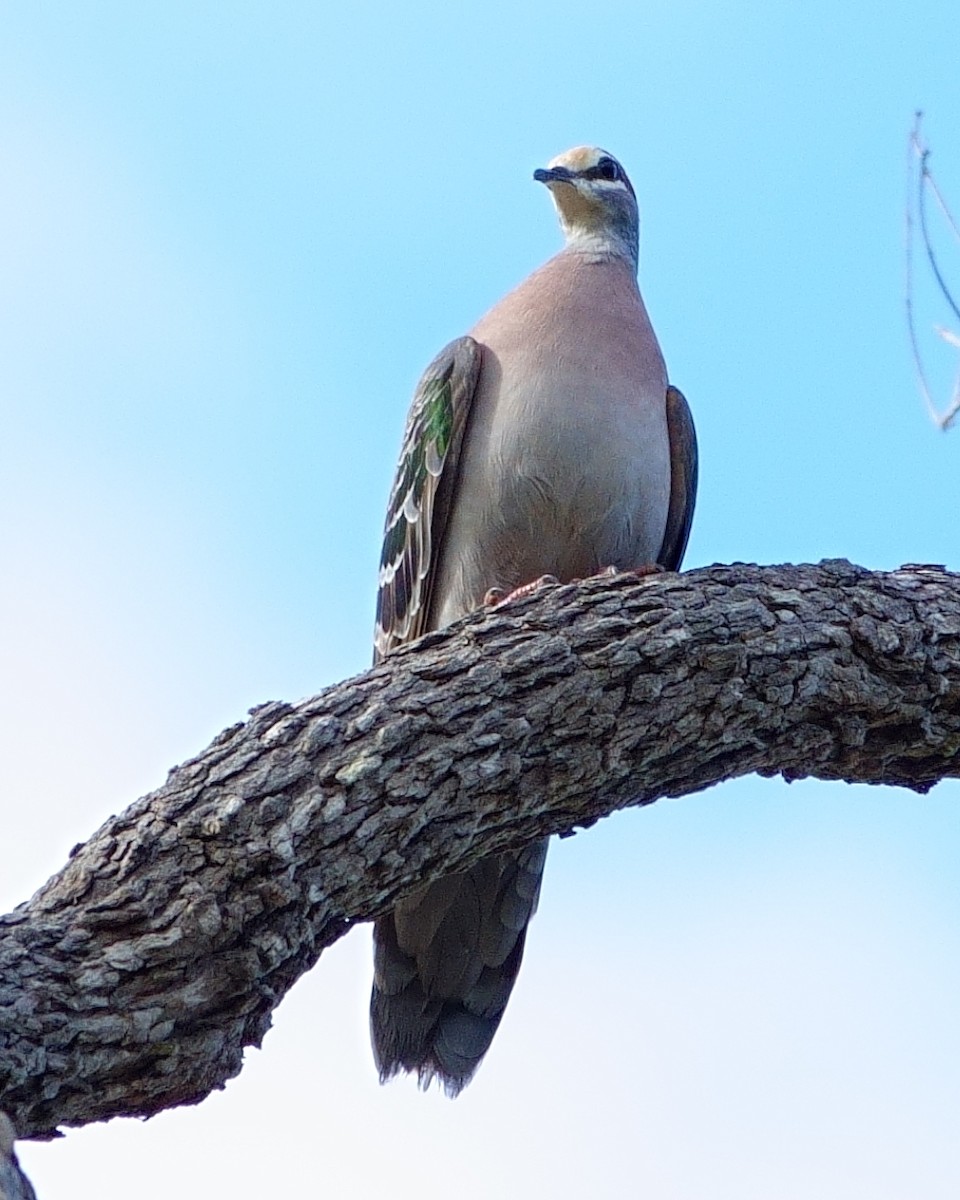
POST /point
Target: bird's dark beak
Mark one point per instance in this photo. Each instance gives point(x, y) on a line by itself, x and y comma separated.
point(552, 175)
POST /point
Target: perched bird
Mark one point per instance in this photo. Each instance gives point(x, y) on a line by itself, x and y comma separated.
point(547, 441)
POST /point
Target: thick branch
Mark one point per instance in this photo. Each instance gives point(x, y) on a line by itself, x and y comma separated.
point(133, 980)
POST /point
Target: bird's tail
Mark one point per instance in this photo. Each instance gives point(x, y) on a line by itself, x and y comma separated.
point(445, 962)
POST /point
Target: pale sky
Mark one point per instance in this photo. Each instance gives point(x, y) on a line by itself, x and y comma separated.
point(231, 237)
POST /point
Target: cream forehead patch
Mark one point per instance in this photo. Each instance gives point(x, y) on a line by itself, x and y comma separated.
point(580, 158)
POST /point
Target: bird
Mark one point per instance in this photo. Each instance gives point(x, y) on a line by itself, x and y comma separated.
point(545, 443)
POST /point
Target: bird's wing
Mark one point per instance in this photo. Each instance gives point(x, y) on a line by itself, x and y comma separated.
point(422, 491)
point(683, 480)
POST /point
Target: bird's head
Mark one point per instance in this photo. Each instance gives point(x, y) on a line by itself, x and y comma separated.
point(595, 200)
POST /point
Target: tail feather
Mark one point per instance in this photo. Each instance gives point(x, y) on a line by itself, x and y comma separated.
point(445, 962)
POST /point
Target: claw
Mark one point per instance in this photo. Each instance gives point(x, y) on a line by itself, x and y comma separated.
point(641, 571)
point(644, 570)
point(496, 596)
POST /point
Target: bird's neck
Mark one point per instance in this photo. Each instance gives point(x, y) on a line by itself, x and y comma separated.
point(601, 244)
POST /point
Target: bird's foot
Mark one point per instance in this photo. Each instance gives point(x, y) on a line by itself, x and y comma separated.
point(496, 596)
point(640, 572)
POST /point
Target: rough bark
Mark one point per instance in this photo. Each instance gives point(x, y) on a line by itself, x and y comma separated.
point(14, 1185)
point(133, 980)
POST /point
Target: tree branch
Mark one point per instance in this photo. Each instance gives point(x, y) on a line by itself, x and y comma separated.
point(14, 1185)
point(134, 979)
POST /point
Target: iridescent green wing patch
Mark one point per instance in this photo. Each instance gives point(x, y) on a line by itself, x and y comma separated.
point(415, 517)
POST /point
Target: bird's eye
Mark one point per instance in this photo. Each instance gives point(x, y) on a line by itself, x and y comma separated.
point(609, 169)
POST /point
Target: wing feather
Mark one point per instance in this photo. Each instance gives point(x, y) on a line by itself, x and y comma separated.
point(683, 480)
point(418, 508)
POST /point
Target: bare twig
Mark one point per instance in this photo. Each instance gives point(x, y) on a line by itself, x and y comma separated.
point(916, 195)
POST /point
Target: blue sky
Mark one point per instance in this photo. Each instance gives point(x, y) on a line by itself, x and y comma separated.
point(230, 239)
